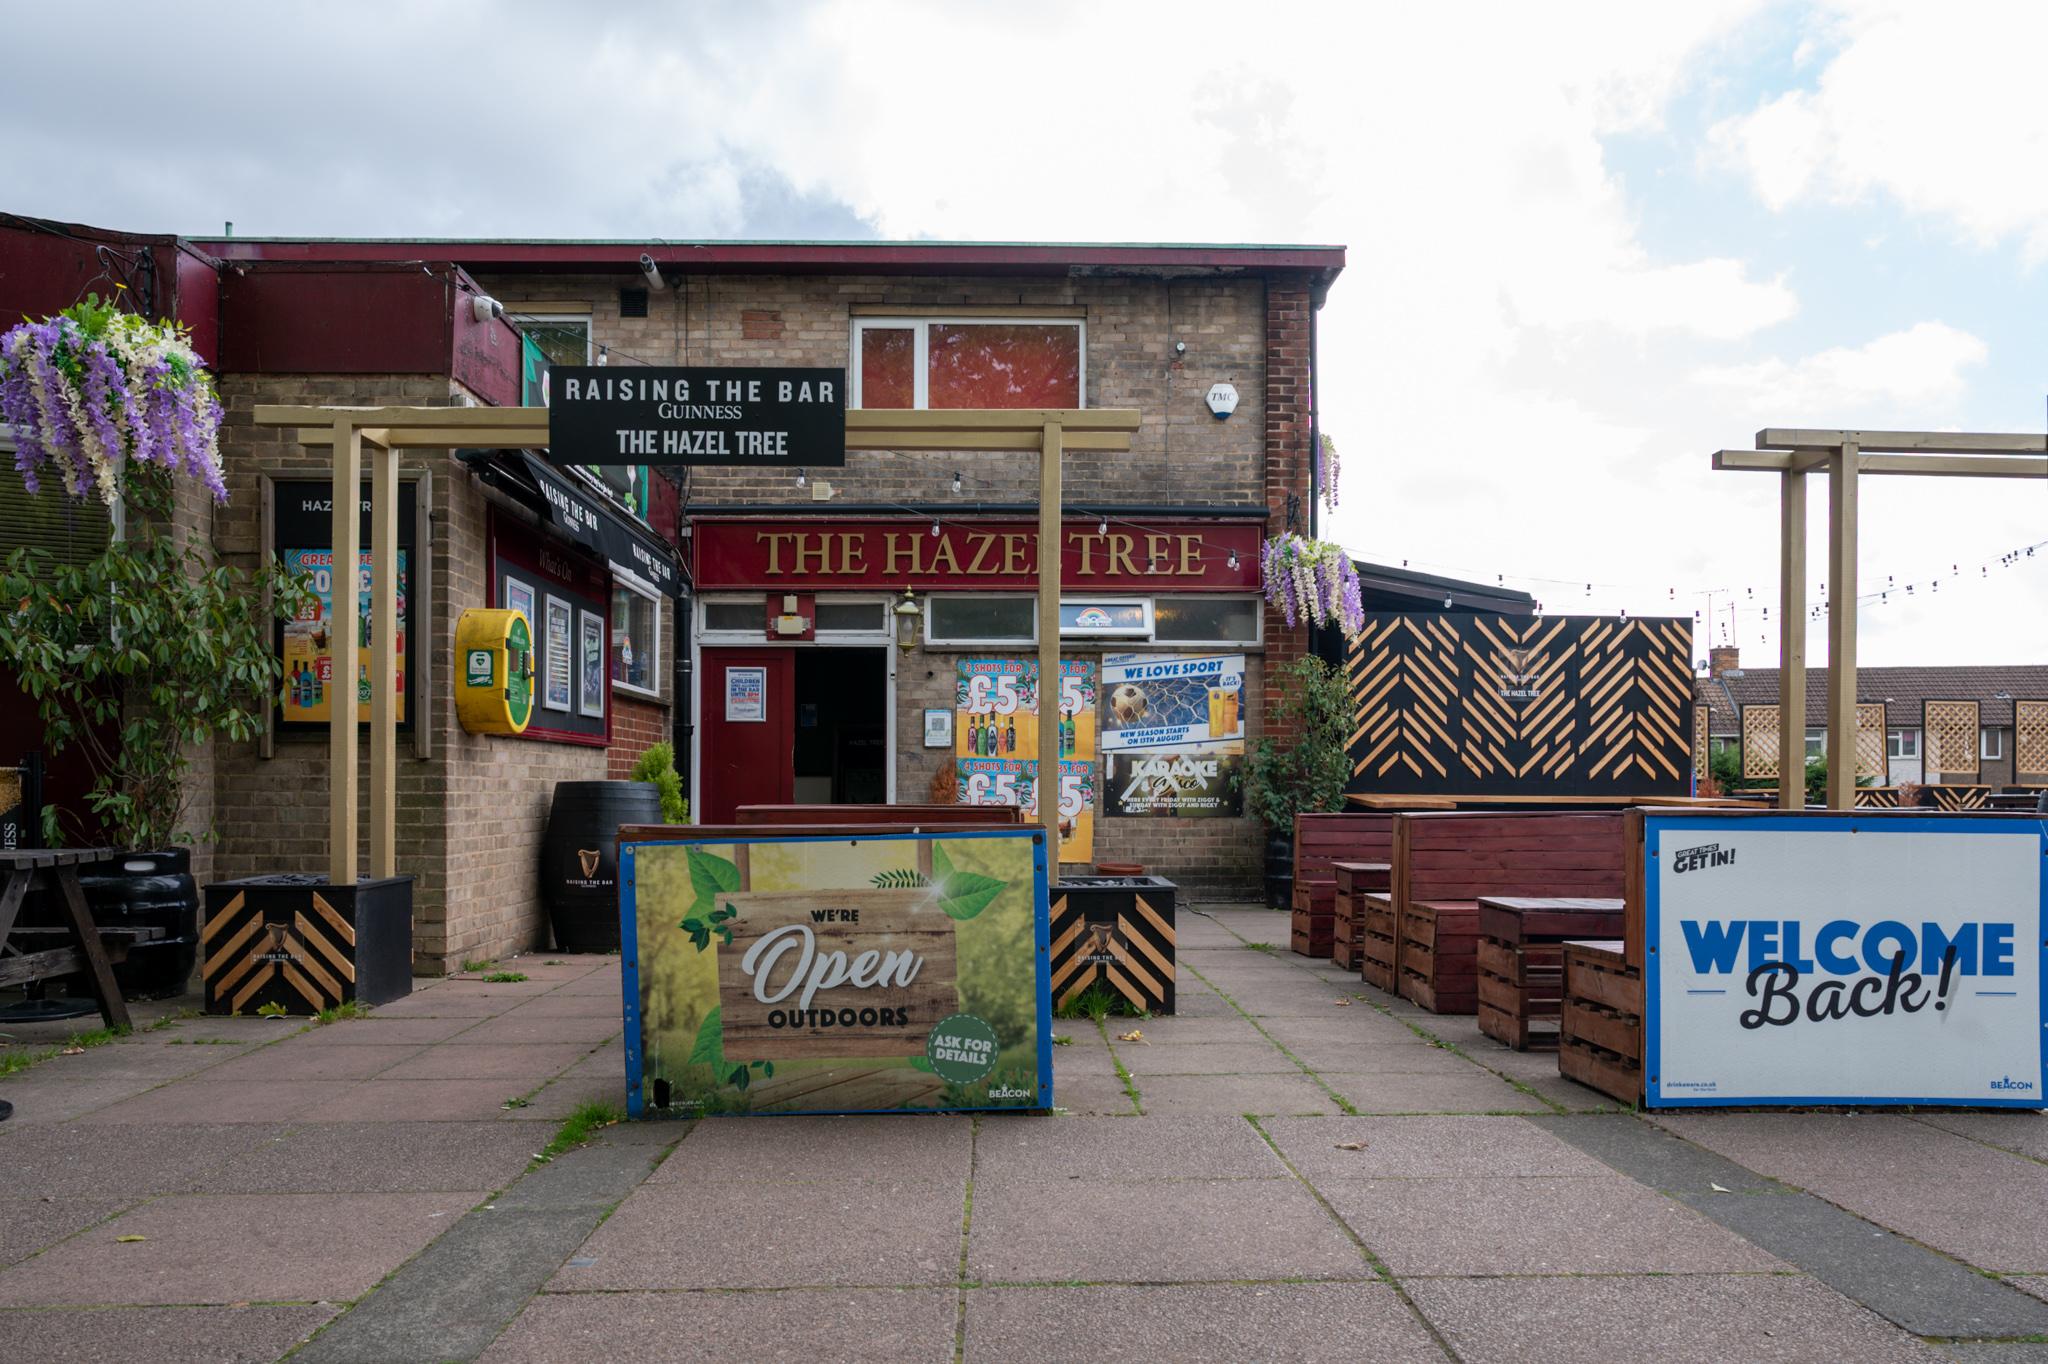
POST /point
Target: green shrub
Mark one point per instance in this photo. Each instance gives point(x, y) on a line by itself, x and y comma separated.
point(658, 765)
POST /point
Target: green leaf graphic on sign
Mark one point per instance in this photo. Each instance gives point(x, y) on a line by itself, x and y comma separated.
point(709, 1049)
point(962, 894)
point(710, 875)
point(922, 1063)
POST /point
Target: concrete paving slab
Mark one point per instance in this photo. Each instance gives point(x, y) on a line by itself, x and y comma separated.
point(374, 1157)
point(2035, 1284)
point(39, 1102)
point(588, 1032)
point(842, 1233)
point(1306, 999)
point(608, 1061)
point(418, 1101)
point(602, 981)
point(1416, 1058)
point(231, 1248)
point(1167, 1231)
point(378, 1031)
point(28, 1225)
point(434, 1002)
point(1996, 1351)
point(596, 1176)
point(529, 1063)
point(1075, 1063)
point(244, 1334)
point(1320, 1323)
point(2025, 1133)
point(1655, 1156)
point(227, 1030)
point(1188, 1147)
point(1424, 1147)
point(202, 1100)
point(1234, 1094)
point(1176, 1030)
point(905, 1147)
point(1601, 1224)
point(563, 1096)
point(1992, 1222)
point(1341, 1028)
point(868, 1326)
point(1092, 1095)
point(89, 1160)
point(1218, 1058)
point(135, 1061)
point(1703, 1319)
point(297, 1060)
point(1396, 1092)
point(1814, 1149)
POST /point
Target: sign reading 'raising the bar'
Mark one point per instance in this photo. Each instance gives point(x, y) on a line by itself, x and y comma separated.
point(697, 415)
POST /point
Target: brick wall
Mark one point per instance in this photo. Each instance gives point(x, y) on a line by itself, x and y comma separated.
point(1286, 413)
point(637, 725)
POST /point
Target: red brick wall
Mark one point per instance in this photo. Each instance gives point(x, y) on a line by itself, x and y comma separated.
point(636, 727)
point(1287, 437)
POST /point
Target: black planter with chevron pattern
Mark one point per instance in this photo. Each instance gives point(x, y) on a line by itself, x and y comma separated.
point(304, 944)
point(1116, 931)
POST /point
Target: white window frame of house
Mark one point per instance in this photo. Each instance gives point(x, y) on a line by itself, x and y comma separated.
point(1140, 633)
point(1117, 640)
point(920, 359)
point(639, 586)
point(884, 633)
point(1816, 744)
point(554, 315)
point(1991, 743)
point(1902, 745)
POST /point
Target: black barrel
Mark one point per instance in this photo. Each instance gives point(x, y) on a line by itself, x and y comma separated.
point(579, 858)
point(148, 890)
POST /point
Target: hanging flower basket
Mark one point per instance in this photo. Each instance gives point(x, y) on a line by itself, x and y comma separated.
point(1312, 580)
point(93, 388)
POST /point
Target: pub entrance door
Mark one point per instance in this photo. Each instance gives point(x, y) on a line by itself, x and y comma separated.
point(748, 731)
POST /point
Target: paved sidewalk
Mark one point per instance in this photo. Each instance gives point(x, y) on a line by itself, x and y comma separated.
point(1292, 1167)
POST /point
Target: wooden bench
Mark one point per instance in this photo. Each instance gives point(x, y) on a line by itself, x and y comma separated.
point(1521, 960)
point(1600, 1026)
point(1354, 881)
point(1444, 862)
point(1320, 842)
point(56, 869)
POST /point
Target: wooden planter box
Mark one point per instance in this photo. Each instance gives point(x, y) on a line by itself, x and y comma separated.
point(1521, 961)
point(1313, 935)
point(1439, 955)
point(1116, 930)
point(1600, 1025)
point(1354, 881)
point(305, 944)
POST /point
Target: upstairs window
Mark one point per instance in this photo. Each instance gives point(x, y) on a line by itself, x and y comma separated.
point(940, 363)
point(1902, 743)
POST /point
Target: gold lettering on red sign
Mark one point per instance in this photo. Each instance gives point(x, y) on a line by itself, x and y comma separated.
point(774, 539)
point(943, 558)
point(853, 554)
point(1017, 554)
point(1190, 556)
point(1120, 554)
point(905, 547)
point(983, 542)
point(1086, 540)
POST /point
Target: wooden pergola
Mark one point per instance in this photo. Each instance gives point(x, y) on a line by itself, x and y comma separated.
point(379, 433)
point(1792, 453)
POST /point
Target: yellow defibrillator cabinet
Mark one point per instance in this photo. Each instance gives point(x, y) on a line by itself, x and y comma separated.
point(493, 671)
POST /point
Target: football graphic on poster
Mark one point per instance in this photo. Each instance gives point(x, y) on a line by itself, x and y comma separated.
point(1128, 701)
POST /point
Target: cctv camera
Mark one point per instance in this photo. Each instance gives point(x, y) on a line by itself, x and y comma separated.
point(485, 308)
point(650, 270)
point(1180, 348)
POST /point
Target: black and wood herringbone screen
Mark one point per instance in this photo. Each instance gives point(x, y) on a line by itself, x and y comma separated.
point(1506, 706)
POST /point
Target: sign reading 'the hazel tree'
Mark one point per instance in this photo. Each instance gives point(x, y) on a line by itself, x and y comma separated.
point(697, 415)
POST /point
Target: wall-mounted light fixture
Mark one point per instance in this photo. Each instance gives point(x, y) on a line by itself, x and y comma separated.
point(907, 614)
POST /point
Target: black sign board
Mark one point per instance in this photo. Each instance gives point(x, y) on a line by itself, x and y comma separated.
point(696, 415)
point(302, 536)
point(583, 517)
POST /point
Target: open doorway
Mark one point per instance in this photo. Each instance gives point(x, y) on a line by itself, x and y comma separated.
point(842, 699)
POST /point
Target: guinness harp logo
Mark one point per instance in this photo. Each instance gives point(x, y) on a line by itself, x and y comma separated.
point(589, 858)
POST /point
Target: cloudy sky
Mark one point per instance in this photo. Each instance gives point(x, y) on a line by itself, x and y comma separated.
point(1589, 244)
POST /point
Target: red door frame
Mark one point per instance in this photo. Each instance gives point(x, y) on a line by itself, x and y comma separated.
point(746, 762)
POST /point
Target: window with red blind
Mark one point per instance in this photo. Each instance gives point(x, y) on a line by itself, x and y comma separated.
point(940, 363)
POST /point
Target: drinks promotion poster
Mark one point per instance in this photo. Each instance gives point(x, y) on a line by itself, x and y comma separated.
point(995, 742)
point(898, 972)
point(309, 682)
point(1173, 734)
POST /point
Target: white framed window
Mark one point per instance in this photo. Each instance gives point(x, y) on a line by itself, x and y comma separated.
point(636, 636)
point(972, 620)
point(845, 619)
point(735, 618)
point(1207, 620)
point(963, 619)
point(1816, 744)
point(970, 362)
point(732, 620)
point(1902, 743)
point(564, 337)
point(1991, 743)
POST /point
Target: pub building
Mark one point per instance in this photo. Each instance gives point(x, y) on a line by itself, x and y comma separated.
point(800, 634)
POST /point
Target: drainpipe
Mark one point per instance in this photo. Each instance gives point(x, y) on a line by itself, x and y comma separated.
point(1315, 421)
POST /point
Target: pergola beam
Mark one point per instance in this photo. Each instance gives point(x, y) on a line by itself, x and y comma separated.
point(1902, 442)
point(1950, 466)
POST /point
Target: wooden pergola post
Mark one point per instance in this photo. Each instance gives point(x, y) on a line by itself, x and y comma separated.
point(387, 430)
point(1790, 452)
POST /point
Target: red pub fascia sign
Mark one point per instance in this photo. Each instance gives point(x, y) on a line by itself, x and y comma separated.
point(825, 555)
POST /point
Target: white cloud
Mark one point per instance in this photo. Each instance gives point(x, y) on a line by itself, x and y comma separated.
point(1913, 377)
point(1936, 106)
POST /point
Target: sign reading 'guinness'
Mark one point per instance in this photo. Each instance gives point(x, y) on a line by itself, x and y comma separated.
point(697, 415)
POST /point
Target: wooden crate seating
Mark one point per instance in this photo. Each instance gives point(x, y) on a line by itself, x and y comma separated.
point(1455, 858)
point(1377, 963)
point(1600, 1026)
point(1321, 841)
point(1312, 935)
point(1354, 880)
point(1521, 961)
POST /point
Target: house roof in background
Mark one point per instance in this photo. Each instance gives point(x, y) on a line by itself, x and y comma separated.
point(1902, 690)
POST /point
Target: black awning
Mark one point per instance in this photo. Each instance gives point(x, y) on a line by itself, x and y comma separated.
point(580, 514)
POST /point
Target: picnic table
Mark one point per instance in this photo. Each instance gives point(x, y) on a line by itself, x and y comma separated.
point(82, 946)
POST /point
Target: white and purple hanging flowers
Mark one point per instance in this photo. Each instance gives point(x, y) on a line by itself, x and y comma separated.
point(1328, 466)
point(93, 388)
point(1314, 581)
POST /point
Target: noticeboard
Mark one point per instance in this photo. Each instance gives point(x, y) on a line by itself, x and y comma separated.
point(894, 972)
point(302, 535)
point(1173, 734)
point(1844, 959)
point(697, 415)
point(995, 742)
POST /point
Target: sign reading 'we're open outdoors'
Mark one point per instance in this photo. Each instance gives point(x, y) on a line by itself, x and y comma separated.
point(697, 415)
